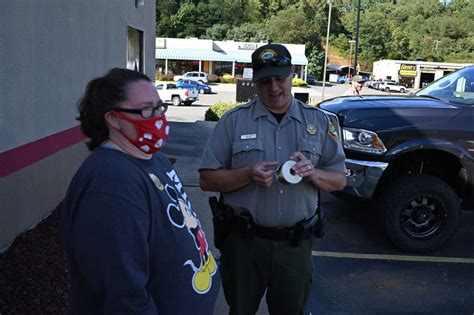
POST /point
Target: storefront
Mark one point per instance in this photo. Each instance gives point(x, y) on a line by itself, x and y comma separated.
point(179, 55)
point(413, 74)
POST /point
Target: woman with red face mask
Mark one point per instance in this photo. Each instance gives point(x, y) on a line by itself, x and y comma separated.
point(133, 241)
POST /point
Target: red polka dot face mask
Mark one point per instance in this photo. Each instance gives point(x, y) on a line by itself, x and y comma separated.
point(151, 132)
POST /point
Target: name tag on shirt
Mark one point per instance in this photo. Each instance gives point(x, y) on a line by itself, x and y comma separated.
point(249, 136)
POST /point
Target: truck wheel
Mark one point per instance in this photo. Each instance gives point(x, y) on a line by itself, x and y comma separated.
point(187, 103)
point(176, 100)
point(420, 213)
point(387, 89)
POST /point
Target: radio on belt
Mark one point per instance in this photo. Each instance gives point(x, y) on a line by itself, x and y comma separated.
point(285, 175)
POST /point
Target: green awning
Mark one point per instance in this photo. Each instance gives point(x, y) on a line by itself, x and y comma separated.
point(191, 54)
point(212, 55)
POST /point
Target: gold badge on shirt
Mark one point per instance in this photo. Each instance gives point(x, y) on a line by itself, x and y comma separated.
point(311, 129)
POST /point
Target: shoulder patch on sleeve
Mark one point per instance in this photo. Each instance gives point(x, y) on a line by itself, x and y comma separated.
point(332, 131)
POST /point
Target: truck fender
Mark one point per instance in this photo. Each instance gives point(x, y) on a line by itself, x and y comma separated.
point(437, 144)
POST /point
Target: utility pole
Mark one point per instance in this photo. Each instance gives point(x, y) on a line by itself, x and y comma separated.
point(357, 36)
point(327, 47)
point(351, 41)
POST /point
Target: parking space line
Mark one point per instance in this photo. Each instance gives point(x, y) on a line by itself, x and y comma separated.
point(453, 260)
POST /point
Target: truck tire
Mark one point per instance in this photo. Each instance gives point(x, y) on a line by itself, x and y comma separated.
point(420, 213)
point(387, 89)
point(187, 103)
point(176, 100)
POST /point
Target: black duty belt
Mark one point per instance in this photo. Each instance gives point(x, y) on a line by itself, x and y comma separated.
point(245, 226)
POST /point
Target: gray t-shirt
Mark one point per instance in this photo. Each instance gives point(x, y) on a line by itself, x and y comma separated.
point(249, 134)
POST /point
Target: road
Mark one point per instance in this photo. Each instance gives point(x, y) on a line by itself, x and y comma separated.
point(358, 271)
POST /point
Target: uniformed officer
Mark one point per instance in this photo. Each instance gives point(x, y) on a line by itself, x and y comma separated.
point(242, 153)
point(356, 86)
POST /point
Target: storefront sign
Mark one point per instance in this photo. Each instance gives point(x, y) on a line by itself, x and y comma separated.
point(160, 42)
point(248, 46)
point(248, 73)
point(407, 70)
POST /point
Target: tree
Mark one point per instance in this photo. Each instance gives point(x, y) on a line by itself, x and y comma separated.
point(248, 32)
point(183, 23)
point(374, 36)
point(217, 32)
point(400, 29)
point(288, 26)
point(316, 62)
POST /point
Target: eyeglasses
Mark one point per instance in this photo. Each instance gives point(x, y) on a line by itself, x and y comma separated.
point(145, 112)
point(276, 60)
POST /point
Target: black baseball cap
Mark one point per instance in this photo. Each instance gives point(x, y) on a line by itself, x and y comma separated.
point(271, 60)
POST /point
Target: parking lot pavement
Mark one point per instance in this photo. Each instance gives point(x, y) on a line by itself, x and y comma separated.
point(366, 286)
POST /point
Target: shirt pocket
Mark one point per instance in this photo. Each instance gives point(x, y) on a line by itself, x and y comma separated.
point(311, 149)
point(247, 152)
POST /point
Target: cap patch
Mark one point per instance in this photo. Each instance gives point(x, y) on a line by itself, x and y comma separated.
point(267, 54)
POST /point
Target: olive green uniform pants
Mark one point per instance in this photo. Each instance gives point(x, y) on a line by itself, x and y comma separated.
point(251, 266)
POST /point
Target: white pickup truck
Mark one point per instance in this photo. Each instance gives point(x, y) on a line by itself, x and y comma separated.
point(169, 92)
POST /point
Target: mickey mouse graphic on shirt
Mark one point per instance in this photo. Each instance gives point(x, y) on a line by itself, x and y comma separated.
point(181, 215)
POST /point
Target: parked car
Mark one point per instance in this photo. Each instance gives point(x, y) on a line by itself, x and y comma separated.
point(392, 86)
point(413, 156)
point(169, 92)
point(344, 79)
point(310, 80)
point(191, 84)
point(373, 84)
point(193, 75)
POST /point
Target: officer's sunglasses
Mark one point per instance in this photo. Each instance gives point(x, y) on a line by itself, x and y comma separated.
point(276, 60)
point(145, 112)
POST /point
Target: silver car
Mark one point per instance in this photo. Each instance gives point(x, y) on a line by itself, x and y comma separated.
point(392, 86)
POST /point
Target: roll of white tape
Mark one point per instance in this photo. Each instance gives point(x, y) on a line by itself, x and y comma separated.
point(285, 174)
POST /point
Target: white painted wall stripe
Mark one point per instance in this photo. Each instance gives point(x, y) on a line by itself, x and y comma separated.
point(433, 259)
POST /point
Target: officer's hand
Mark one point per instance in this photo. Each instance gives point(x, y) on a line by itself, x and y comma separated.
point(262, 173)
point(303, 167)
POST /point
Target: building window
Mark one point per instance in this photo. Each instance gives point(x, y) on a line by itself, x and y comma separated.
point(160, 65)
point(223, 67)
point(182, 66)
point(134, 49)
point(239, 68)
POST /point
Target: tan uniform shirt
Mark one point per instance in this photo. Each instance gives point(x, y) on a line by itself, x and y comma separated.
point(249, 134)
point(351, 92)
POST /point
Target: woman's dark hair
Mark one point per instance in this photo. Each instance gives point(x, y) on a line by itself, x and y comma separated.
point(102, 94)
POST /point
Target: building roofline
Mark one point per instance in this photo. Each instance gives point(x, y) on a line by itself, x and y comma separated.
point(427, 63)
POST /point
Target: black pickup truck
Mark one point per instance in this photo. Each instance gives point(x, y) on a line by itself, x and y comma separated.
point(413, 156)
